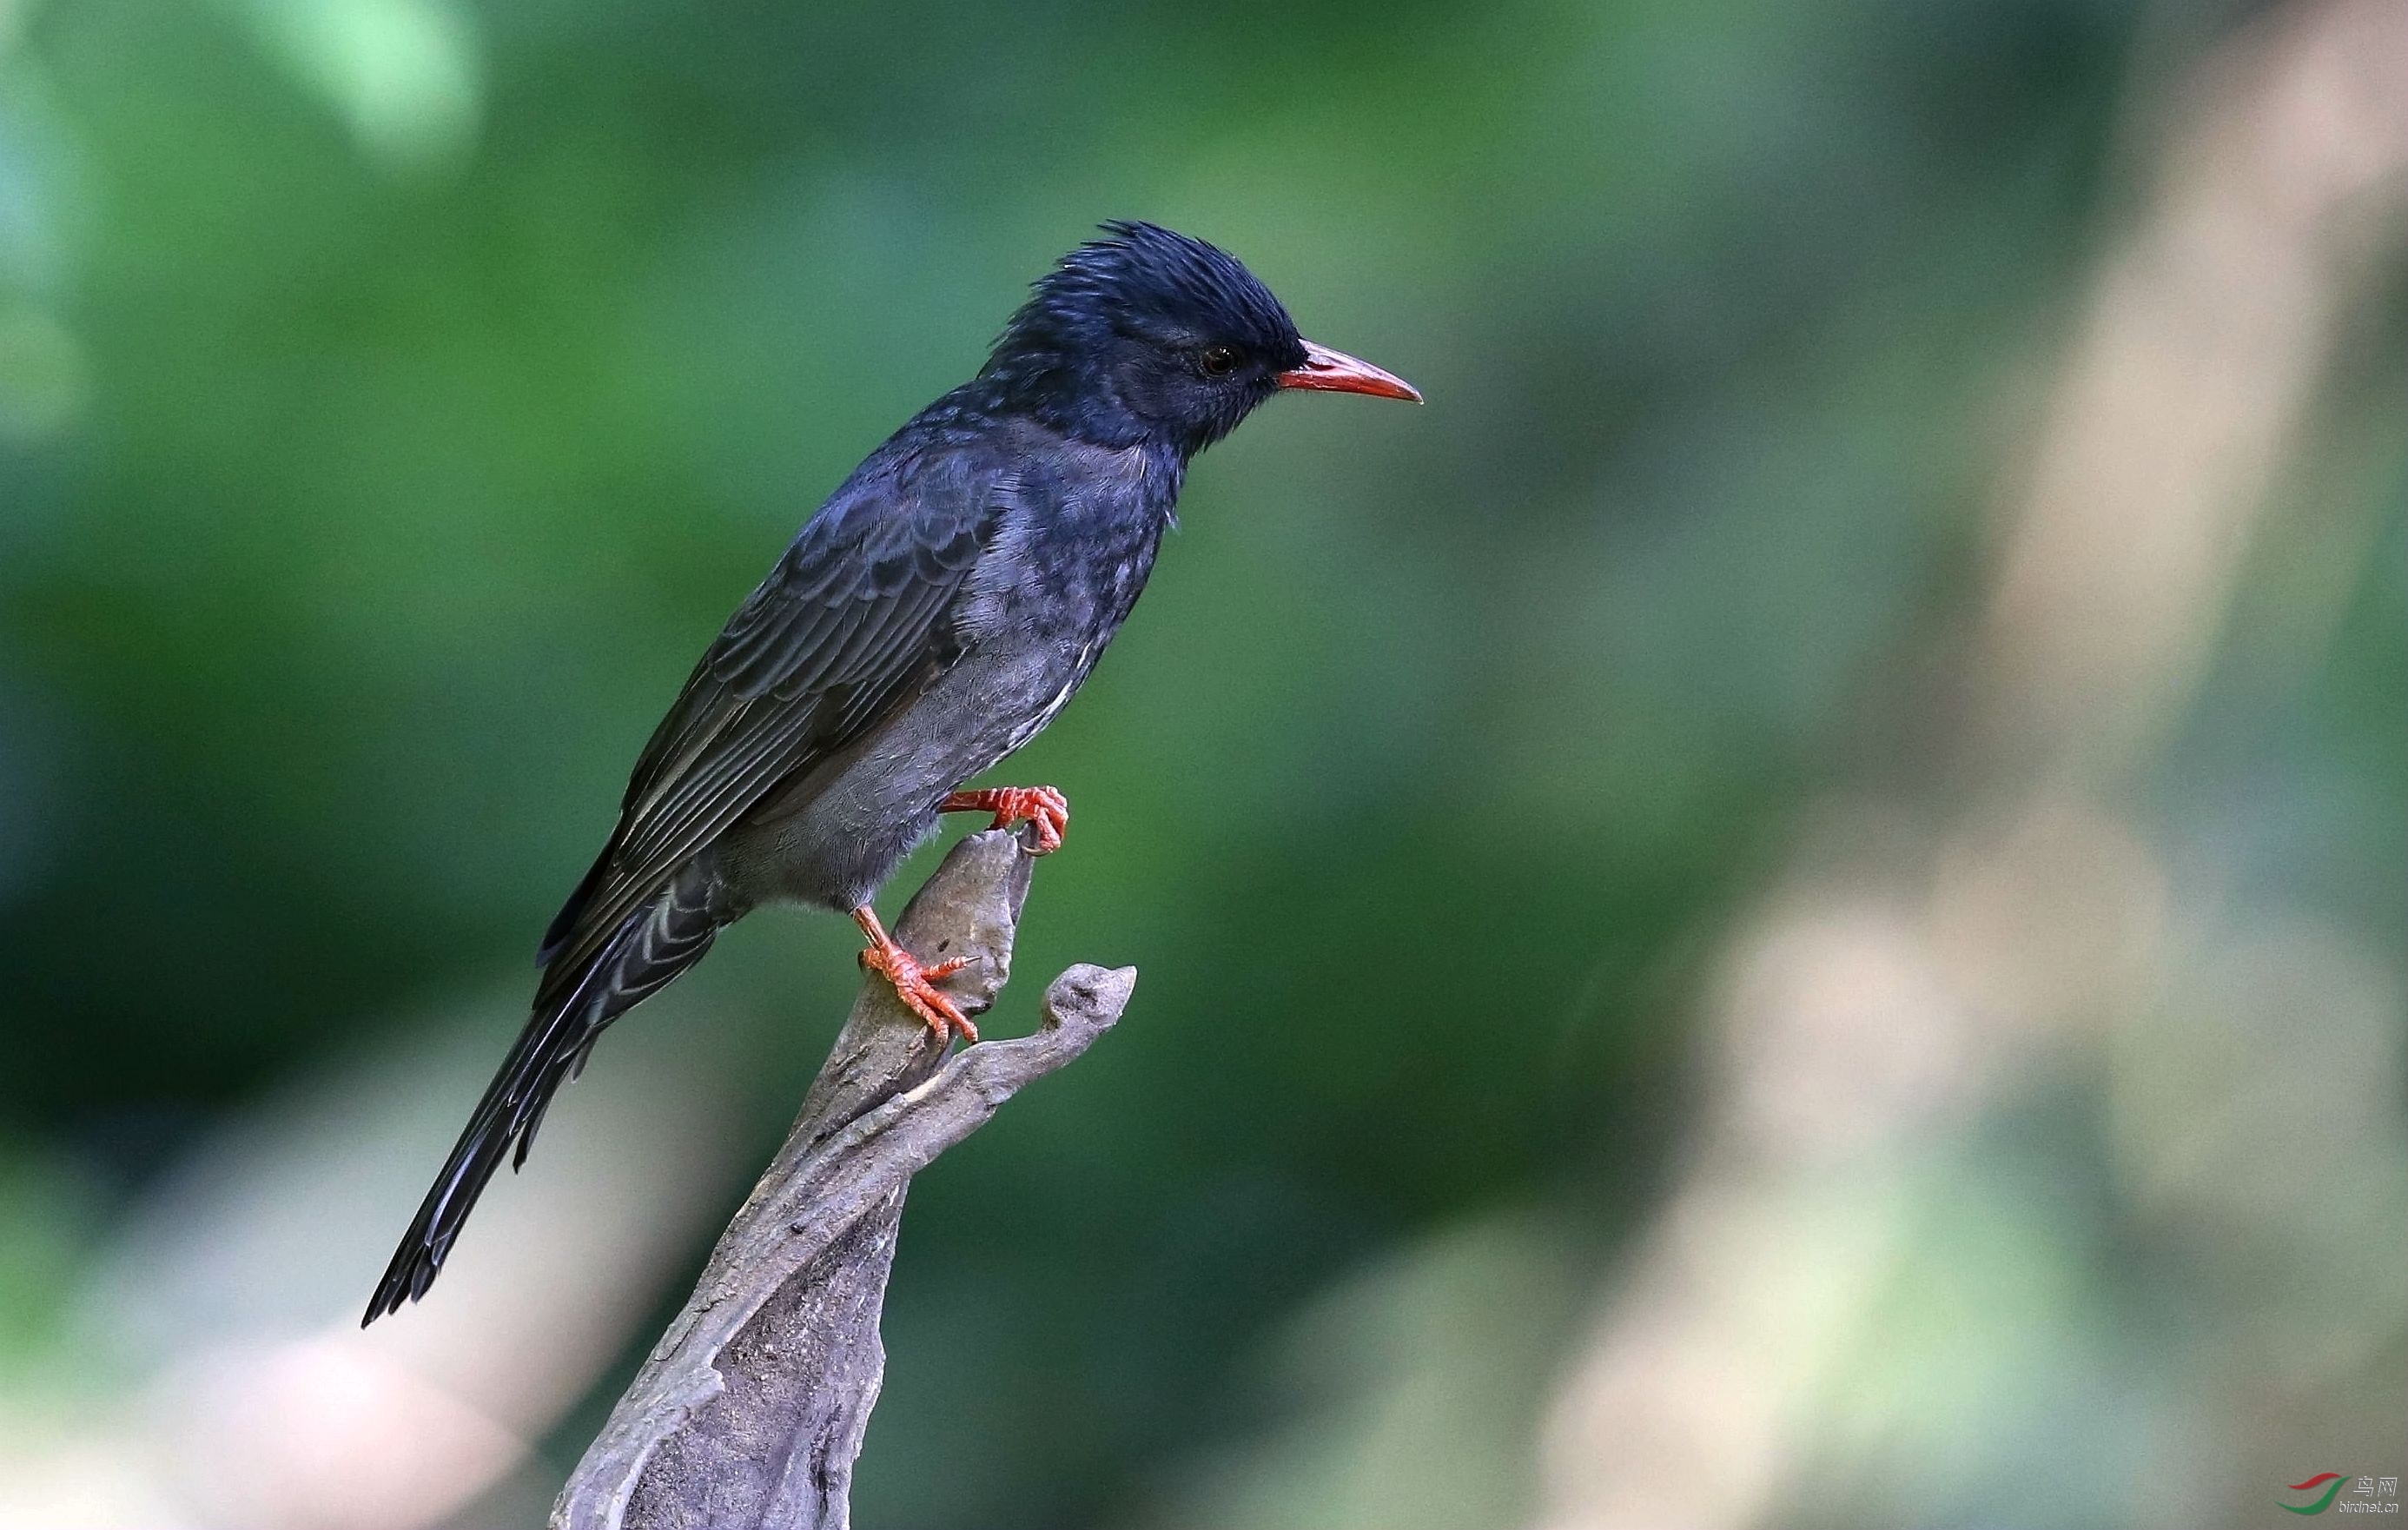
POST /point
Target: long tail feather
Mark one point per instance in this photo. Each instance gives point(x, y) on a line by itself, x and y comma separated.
point(651, 948)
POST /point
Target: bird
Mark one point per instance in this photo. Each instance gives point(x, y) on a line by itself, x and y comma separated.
point(930, 618)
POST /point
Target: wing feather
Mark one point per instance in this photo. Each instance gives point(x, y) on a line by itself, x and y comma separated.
point(857, 607)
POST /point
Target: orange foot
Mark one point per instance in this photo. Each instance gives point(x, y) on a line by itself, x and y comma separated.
point(1043, 806)
point(915, 984)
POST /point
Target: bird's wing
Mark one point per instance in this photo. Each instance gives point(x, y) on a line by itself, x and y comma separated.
point(855, 610)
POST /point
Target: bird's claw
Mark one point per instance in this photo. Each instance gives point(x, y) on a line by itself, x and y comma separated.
point(916, 985)
point(1045, 806)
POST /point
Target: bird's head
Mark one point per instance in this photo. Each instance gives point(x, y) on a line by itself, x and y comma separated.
point(1148, 333)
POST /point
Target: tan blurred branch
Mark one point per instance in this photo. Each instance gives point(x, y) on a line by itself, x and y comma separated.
point(1907, 971)
point(751, 1408)
point(2204, 335)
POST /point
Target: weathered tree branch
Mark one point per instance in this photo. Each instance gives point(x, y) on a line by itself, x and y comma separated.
point(751, 1409)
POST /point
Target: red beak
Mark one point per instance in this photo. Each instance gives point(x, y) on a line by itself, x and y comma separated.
point(1335, 371)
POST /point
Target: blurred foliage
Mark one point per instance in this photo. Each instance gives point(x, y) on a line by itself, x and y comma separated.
point(395, 396)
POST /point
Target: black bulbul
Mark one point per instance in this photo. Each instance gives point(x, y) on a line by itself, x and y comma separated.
point(934, 615)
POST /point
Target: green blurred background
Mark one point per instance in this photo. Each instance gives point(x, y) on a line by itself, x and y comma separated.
point(1783, 908)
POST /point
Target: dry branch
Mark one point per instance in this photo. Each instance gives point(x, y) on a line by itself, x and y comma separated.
point(751, 1409)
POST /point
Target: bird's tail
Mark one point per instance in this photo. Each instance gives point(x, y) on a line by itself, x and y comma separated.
point(648, 950)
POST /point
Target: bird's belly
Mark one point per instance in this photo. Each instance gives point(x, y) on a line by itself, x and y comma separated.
point(1071, 680)
point(834, 835)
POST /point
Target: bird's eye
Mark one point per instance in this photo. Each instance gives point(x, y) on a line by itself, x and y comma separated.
point(1219, 360)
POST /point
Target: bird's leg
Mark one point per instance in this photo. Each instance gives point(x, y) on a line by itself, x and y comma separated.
point(915, 984)
point(1043, 806)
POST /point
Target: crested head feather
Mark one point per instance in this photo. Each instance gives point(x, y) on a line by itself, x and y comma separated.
point(1144, 334)
point(1141, 275)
